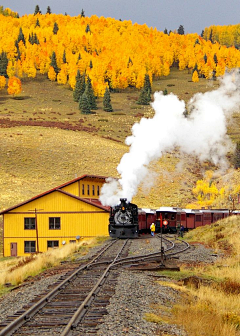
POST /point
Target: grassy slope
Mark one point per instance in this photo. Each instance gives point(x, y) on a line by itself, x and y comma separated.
point(34, 159)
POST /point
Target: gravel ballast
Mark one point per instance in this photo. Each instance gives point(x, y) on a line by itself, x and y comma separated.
point(137, 294)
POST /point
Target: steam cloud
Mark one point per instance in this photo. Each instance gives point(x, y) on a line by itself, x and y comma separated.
point(203, 134)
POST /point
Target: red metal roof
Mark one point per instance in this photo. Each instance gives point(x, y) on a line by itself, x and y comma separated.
point(89, 201)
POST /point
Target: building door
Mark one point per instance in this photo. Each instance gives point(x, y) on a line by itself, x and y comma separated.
point(13, 249)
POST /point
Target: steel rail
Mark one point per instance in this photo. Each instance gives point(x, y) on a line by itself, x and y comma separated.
point(81, 310)
point(19, 321)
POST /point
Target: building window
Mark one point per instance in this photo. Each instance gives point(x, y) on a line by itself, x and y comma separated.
point(29, 246)
point(52, 243)
point(98, 190)
point(88, 189)
point(72, 241)
point(29, 223)
point(83, 189)
point(54, 223)
point(93, 190)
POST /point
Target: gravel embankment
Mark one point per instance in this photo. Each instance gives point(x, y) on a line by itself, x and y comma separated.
point(137, 293)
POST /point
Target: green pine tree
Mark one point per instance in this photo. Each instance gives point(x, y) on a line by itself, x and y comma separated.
point(20, 36)
point(147, 84)
point(144, 97)
point(107, 106)
point(37, 23)
point(48, 10)
point(64, 59)
point(82, 13)
point(77, 89)
point(37, 10)
point(165, 92)
point(82, 84)
point(90, 94)
point(180, 30)
point(53, 62)
point(35, 39)
point(3, 64)
point(84, 105)
point(30, 38)
point(88, 30)
point(55, 28)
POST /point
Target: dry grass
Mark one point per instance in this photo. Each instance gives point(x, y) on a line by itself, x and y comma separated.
point(213, 307)
point(16, 270)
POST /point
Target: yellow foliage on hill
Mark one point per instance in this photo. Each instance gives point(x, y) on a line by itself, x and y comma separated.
point(121, 53)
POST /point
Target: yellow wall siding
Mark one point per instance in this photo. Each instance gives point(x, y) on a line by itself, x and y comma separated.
point(73, 188)
point(56, 201)
point(76, 188)
point(72, 225)
point(77, 218)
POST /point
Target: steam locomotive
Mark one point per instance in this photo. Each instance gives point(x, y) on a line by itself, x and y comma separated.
point(123, 220)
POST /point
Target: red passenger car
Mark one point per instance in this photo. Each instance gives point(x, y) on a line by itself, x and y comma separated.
point(193, 218)
point(145, 218)
point(169, 219)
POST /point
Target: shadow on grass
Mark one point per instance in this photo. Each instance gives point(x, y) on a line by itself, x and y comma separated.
point(20, 97)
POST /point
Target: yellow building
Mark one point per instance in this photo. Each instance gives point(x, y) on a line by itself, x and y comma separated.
point(59, 216)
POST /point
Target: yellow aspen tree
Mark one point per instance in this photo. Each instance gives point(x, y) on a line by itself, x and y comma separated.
point(18, 69)
point(14, 86)
point(10, 69)
point(2, 82)
point(62, 75)
point(72, 79)
point(195, 78)
point(52, 74)
point(182, 63)
point(166, 69)
point(29, 68)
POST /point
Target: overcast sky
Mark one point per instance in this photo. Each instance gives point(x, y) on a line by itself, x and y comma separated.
point(194, 15)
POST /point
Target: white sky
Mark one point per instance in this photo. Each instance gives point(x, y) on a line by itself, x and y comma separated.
point(194, 15)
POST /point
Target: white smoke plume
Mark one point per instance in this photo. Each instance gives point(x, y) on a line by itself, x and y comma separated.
point(203, 133)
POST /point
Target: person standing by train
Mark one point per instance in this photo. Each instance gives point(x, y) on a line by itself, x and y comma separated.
point(181, 231)
point(152, 228)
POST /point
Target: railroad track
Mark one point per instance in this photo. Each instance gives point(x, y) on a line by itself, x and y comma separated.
point(77, 304)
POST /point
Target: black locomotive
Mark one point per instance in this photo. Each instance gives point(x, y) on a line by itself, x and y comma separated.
point(123, 220)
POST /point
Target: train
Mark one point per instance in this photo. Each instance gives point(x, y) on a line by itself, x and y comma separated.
point(128, 221)
point(123, 220)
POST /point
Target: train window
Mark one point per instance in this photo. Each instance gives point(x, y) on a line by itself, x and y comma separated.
point(165, 216)
point(29, 246)
point(93, 190)
point(54, 223)
point(172, 216)
point(83, 191)
point(29, 223)
point(198, 218)
point(88, 189)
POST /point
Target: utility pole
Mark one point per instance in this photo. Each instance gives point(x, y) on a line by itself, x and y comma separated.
point(36, 226)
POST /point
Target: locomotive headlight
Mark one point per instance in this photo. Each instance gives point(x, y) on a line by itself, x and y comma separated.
point(123, 208)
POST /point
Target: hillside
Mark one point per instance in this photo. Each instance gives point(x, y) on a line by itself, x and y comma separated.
point(51, 142)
